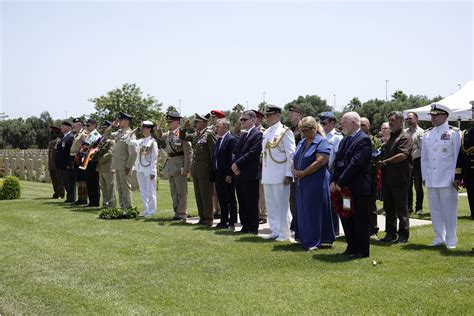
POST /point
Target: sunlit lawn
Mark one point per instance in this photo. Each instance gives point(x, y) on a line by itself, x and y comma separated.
point(57, 259)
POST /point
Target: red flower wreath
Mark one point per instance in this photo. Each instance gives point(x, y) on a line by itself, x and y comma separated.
point(336, 199)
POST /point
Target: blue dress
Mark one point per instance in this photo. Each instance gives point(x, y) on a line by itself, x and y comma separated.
point(314, 214)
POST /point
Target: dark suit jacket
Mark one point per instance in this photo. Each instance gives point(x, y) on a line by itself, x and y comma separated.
point(352, 164)
point(63, 150)
point(223, 155)
point(247, 155)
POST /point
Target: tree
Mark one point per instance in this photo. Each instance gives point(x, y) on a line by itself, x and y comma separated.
point(310, 105)
point(353, 104)
point(235, 114)
point(171, 108)
point(399, 96)
point(129, 98)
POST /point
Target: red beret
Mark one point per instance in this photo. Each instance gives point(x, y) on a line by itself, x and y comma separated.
point(218, 113)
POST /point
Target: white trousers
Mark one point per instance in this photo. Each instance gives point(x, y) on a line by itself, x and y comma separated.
point(277, 202)
point(147, 191)
point(444, 209)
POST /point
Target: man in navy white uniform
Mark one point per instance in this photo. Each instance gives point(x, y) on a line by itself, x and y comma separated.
point(333, 136)
point(278, 148)
point(439, 153)
point(145, 165)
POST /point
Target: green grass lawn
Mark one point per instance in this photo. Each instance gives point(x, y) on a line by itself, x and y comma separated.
point(57, 259)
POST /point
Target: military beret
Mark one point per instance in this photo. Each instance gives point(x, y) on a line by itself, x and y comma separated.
point(218, 113)
point(124, 116)
point(54, 129)
point(294, 108)
point(66, 123)
point(199, 118)
point(439, 109)
point(106, 123)
point(326, 115)
point(258, 114)
point(148, 124)
point(174, 115)
point(271, 109)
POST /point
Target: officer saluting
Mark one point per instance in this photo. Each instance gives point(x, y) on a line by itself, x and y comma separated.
point(177, 165)
point(439, 153)
point(123, 159)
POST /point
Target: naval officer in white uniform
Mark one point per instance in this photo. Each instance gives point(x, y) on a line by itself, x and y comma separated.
point(439, 153)
point(278, 148)
point(145, 165)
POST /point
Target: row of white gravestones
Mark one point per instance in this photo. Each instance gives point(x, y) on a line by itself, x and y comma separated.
point(29, 164)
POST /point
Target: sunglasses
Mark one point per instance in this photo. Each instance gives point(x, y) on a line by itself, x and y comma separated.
point(244, 119)
point(88, 125)
point(324, 123)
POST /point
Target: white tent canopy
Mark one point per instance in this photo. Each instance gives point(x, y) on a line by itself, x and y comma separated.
point(459, 103)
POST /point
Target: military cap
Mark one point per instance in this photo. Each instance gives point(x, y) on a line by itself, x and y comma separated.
point(258, 114)
point(174, 115)
point(218, 113)
point(199, 118)
point(148, 124)
point(294, 108)
point(67, 123)
point(326, 115)
point(207, 116)
point(78, 120)
point(91, 121)
point(106, 123)
point(439, 109)
point(271, 109)
point(124, 116)
point(54, 129)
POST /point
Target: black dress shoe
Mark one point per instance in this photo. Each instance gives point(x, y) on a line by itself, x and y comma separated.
point(221, 226)
point(262, 221)
point(389, 238)
point(217, 216)
point(176, 218)
point(348, 253)
point(92, 205)
point(401, 240)
point(358, 256)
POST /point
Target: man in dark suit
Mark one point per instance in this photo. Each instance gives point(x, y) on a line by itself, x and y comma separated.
point(246, 168)
point(352, 170)
point(222, 174)
point(65, 163)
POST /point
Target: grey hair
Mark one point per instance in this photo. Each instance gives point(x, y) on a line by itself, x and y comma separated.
point(354, 117)
point(225, 122)
point(250, 114)
point(398, 115)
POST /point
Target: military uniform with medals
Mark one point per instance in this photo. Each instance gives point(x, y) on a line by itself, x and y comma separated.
point(176, 167)
point(106, 172)
point(278, 148)
point(439, 153)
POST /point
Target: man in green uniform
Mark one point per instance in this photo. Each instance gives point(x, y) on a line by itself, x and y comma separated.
point(178, 164)
point(55, 173)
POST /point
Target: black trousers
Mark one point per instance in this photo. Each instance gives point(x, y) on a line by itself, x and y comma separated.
point(356, 228)
point(374, 228)
point(418, 182)
point(227, 201)
point(469, 183)
point(247, 195)
point(395, 206)
point(69, 182)
point(92, 183)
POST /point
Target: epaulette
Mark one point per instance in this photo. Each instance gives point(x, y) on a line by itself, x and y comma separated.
point(428, 129)
point(337, 133)
point(453, 128)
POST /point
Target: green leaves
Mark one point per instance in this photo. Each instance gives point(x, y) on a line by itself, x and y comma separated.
point(117, 213)
point(10, 188)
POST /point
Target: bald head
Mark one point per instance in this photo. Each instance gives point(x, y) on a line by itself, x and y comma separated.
point(365, 125)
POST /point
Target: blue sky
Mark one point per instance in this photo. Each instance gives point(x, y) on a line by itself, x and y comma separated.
point(57, 55)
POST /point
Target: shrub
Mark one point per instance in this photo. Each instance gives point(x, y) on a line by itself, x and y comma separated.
point(116, 213)
point(10, 189)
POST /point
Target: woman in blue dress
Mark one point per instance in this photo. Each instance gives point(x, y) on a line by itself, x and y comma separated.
point(312, 186)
